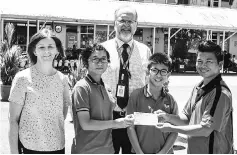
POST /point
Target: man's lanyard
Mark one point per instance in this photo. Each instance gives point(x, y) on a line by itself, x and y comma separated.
point(125, 65)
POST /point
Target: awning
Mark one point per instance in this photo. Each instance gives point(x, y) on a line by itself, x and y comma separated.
point(102, 12)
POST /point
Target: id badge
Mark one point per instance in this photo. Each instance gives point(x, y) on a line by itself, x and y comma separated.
point(120, 91)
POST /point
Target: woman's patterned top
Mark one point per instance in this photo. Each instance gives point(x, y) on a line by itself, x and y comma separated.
point(43, 98)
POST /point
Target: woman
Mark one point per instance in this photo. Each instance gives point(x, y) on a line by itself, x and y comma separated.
point(39, 100)
point(93, 106)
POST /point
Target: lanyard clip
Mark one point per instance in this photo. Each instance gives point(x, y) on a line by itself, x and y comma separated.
point(122, 77)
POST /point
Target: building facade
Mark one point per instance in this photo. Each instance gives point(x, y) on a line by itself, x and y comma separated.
point(82, 34)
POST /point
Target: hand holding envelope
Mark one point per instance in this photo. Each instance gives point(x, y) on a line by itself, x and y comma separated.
point(124, 122)
point(162, 115)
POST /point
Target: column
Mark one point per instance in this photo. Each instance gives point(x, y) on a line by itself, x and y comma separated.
point(154, 39)
point(37, 26)
point(28, 34)
point(1, 29)
point(223, 48)
point(94, 33)
point(78, 36)
point(107, 32)
point(169, 41)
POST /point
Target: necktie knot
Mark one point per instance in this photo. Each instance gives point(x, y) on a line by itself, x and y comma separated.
point(125, 46)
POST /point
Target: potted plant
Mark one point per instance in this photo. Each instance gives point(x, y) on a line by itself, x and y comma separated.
point(10, 58)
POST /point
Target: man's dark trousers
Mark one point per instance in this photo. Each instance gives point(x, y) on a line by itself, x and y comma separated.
point(120, 137)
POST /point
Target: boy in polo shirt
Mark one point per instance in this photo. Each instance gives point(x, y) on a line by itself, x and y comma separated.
point(93, 106)
point(207, 116)
point(150, 98)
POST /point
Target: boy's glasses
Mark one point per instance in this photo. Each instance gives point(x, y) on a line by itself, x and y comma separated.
point(97, 60)
point(163, 72)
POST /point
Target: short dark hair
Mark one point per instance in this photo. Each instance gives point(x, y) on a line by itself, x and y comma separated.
point(42, 34)
point(211, 47)
point(89, 50)
point(159, 58)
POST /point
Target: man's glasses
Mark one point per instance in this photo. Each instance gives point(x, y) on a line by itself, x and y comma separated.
point(126, 21)
point(163, 72)
point(97, 60)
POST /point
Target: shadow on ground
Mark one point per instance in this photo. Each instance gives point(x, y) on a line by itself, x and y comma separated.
point(178, 147)
point(180, 143)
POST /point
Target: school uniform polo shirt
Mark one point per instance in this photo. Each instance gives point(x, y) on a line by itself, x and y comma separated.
point(151, 139)
point(90, 96)
point(221, 122)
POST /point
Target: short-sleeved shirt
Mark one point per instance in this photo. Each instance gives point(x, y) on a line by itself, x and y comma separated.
point(43, 97)
point(221, 122)
point(151, 139)
point(91, 96)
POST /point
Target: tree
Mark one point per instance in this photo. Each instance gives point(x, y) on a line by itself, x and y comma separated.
point(185, 40)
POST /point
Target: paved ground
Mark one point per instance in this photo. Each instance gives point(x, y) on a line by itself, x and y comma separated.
point(180, 88)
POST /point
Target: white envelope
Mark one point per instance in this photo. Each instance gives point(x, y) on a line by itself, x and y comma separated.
point(145, 118)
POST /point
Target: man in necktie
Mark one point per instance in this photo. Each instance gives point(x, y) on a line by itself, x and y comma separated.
point(127, 69)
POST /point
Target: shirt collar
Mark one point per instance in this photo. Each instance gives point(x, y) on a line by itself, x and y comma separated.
point(120, 43)
point(148, 94)
point(211, 84)
point(89, 78)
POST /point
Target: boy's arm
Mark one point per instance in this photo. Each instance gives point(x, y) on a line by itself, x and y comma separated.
point(169, 143)
point(90, 124)
point(180, 119)
point(134, 141)
point(190, 130)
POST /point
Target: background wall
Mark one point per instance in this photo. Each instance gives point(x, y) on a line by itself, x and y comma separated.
point(159, 40)
point(62, 35)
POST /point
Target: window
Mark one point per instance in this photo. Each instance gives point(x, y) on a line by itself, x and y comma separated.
point(226, 3)
point(214, 37)
point(101, 33)
point(20, 36)
point(139, 35)
point(87, 35)
point(213, 3)
point(182, 1)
